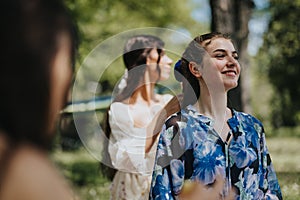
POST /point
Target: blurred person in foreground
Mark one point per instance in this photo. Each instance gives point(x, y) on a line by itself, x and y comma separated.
point(208, 150)
point(38, 47)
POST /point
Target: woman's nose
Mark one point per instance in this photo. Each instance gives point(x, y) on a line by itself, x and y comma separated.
point(166, 59)
point(232, 61)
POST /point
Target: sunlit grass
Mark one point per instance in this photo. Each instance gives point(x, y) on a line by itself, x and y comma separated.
point(285, 153)
point(286, 160)
point(81, 169)
point(290, 185)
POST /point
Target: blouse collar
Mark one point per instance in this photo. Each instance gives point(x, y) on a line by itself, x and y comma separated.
point(233, 122)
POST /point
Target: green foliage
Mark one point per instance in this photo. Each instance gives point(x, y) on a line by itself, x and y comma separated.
point(280, 56)
point(100, 20)
point(285, 132)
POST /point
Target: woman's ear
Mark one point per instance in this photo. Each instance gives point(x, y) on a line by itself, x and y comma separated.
point(194, 69)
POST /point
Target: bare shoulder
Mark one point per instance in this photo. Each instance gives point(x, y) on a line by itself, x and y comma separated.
point(31, 175)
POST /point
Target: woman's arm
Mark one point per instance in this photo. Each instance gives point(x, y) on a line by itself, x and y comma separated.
point(161, 178)
point(273, 190)
point(157, 122)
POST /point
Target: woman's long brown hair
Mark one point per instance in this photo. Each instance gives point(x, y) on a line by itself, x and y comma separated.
point(135, 55)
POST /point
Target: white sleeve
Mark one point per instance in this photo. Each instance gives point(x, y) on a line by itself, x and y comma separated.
point(127, 143)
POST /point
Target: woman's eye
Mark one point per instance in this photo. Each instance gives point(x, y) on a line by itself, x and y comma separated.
point(236, 57)
point(219, 55)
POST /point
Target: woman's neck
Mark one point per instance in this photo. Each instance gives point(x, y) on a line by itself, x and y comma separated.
point(143, 93)
point(214, 105)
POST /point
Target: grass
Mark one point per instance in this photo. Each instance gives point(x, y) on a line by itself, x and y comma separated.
point(286, 160)
point(81, 169)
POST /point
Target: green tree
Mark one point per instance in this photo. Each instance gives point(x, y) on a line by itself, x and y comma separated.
point(280, 58)
point(99, 20)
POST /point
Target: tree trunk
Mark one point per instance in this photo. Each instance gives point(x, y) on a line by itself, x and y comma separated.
point(232, 16)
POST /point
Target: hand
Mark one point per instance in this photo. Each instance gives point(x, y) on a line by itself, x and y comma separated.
point(157, 122)
point(171, 107)
point(193, 190)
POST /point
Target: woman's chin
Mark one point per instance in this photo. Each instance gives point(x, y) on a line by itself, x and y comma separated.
point(231, 86)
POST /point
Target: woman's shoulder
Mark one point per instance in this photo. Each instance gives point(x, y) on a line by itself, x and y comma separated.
point(119, 105)
point(119, 110)
point(246, 117)
point(35, 175)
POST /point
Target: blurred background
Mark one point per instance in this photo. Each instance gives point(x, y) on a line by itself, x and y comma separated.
point(268, 42)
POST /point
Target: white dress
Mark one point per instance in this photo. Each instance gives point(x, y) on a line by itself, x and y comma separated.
point(127, 151)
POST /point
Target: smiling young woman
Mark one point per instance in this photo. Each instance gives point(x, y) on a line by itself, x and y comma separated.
point(207, 149)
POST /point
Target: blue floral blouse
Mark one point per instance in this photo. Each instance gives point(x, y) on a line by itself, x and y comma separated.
point(190, 149)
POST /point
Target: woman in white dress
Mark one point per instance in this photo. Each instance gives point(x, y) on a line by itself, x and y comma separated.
point(132, 145)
